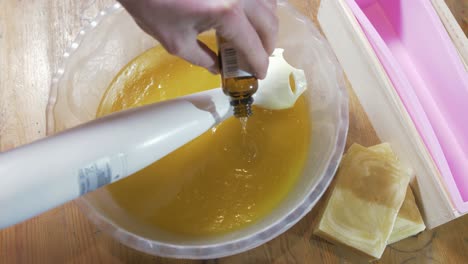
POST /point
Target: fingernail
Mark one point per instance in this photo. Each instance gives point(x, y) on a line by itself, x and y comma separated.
point(260, 75)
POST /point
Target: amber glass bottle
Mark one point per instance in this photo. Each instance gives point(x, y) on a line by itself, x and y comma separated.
point(238, 83)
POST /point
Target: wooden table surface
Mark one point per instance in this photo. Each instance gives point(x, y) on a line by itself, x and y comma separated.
point(33, 36)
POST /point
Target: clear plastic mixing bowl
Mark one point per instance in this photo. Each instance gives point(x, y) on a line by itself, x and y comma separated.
point(113, 39)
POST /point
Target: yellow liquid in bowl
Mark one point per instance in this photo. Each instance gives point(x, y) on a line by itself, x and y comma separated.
point(222, 180)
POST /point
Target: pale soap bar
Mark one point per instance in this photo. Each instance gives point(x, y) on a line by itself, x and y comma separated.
point(363, 205)
point(409, 221)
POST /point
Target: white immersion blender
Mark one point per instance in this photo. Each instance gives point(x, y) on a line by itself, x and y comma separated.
point(49, 172)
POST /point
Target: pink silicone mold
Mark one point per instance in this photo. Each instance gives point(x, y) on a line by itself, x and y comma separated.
point(428, 75)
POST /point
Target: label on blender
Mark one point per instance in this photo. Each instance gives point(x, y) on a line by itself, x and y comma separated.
point(102, 172)
point(231, 63)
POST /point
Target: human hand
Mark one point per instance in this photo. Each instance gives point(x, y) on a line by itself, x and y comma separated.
point(249, 25)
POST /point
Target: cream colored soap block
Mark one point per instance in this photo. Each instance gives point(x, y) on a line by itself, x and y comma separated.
point(409, 221)
point(362, 208)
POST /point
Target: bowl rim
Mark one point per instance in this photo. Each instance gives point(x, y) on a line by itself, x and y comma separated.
point(231, 247)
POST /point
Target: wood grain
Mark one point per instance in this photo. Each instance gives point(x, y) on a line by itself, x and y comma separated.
point(33, 35)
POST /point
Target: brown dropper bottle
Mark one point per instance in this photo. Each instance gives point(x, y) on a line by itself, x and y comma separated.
point(237, 82)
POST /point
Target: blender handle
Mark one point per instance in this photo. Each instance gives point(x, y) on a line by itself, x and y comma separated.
point(49, 172)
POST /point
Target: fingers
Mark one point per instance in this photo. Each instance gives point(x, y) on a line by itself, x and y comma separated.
point(271, 4)
point(203, 56)
point(237, 29)
point(249, 25)
point(261, 15)
point(189, 48)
